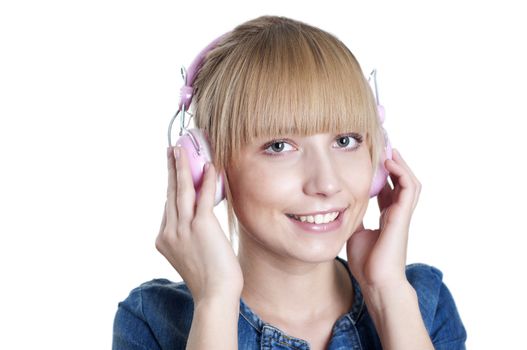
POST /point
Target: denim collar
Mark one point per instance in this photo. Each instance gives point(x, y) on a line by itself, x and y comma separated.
point(342, 324)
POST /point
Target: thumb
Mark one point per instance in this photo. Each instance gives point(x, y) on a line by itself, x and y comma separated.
point(360, 244)
point(360, 227)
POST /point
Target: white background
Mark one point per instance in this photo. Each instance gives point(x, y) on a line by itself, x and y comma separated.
point(86, 93)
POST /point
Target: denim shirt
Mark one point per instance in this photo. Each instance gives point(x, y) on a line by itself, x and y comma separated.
point(158, 315)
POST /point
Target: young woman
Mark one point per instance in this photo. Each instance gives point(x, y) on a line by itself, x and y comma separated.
point(296, 139)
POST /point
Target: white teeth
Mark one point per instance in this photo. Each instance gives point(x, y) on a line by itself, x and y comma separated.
point(318, 219)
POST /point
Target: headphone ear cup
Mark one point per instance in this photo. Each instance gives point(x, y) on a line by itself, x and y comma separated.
point(381, 175)
point(197, 157)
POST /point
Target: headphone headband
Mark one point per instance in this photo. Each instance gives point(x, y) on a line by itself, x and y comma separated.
point(187, 90)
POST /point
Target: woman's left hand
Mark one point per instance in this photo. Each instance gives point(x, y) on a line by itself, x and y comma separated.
point(377, 258)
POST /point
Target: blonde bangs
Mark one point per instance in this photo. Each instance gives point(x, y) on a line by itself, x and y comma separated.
point(304, 92)
point(273, 76)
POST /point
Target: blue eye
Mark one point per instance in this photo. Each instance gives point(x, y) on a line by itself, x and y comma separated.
point(357, 140)
point(276, 147)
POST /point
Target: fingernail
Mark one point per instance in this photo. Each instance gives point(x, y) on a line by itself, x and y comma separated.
point(207, 166)
point(176, 151)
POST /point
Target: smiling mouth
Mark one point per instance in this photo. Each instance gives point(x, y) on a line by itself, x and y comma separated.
point(316, 219)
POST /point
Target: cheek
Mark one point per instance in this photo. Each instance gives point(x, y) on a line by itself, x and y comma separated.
point(357, 176)
point(259, 198)
point(266, 188)
point(358, 182)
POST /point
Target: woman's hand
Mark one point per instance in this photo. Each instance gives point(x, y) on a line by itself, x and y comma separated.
point(191, 238)
point(377, 258)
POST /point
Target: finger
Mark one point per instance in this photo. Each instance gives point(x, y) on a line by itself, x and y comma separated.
point(405, 187)
point(205, 203)
point(185, 192)
point(401, 171)
point(399, 160)
point(170, 207)
point(414, 179)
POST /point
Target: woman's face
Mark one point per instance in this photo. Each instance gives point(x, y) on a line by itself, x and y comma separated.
point(299, 175)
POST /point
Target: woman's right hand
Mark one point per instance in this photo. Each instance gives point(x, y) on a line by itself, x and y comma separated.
point(191, 238)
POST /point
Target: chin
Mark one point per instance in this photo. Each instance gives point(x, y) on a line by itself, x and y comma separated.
point(316, 254)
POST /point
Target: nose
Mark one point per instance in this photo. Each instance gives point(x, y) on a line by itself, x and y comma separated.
point(321, 173)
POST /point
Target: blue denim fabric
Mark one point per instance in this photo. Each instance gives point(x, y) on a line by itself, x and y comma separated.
point(158, 315)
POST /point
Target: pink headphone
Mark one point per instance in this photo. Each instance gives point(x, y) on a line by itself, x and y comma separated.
point(195, 143)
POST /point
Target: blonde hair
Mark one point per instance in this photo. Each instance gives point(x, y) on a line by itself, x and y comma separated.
point(273, 76)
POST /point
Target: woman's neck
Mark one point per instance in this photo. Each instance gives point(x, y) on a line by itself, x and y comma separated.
point(285, 290)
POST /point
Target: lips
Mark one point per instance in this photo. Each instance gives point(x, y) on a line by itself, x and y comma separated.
point(324, 212)
point(318, 228)
point(313, 219)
